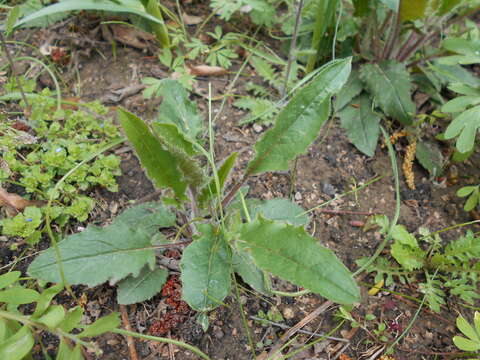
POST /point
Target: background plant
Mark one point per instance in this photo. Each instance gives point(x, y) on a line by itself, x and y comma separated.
point(472, 341)
point(456, 264)
point(20, 332)
point(38, 13)
point(37, 152)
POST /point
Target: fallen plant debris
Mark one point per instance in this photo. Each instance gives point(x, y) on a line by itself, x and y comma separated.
point(15, 202)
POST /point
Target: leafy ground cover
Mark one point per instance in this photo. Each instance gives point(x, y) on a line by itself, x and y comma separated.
point(411, 293)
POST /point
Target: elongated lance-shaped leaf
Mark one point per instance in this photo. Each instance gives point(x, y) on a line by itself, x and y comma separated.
point(183, 150)
point(17, 346)
point(292, 254)
point(281, 209)
point(211, 190)
point(300, 120)
point(206, 270)
point(161, 164)
point(244, 265)
point(362, 124)
point(389, 82)
point(121, 6)
point(104, 254)
point(178, 109)
point(352, 88)
point(137, 289)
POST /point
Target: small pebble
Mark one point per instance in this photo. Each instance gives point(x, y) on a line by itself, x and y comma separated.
point(257, 128)
point(288, 313)
point(298, 196)
point(218, 333)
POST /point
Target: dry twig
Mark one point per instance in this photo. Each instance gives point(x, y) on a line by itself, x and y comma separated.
point(130, 341)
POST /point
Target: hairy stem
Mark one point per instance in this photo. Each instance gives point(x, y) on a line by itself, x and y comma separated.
point(293, 47)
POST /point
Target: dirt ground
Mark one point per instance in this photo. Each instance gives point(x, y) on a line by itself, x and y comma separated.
point(331, 166)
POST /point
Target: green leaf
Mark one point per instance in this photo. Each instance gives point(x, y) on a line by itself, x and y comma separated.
point(174, 138)
point(65, 353)
point(391, 4)
point(472, 201)
point(206, 268)
point(361, 7)
point(446, 5)
point(177, 109)
point(476, 321)
point(18, 295)
point(45, 298)
point(210, 191)
point(434, 295)
point(430, 157)
point(9, 278)
point(464, 126)
point(160, 164)
point(244, 265)
point(465, 344)
point(282, 210)
point(182, 150)
point(3, 330)
point(71, 319)
point(413, 9)
point(264, 69)
point(121, 6)
point(467, 329)
point(464, 89)
point(52, 317)
point(362, 125)
point(462, 46)
point(454, 73)
point(292, 254)
point(260, 110)
point(350, 90)
point(300, 120)
point(12, 18)
point(31, 7)
point(17, 346)
point(137, 289)
point(389, 82)
point(101, 326)
point(23, 224)
point(466, 190)
point(104, 254)
point(405, 249)
point(460, 103)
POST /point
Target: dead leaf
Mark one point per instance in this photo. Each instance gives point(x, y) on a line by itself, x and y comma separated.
point(207, 70)
point(131, 36)
point(191, 19)
point(16, 202)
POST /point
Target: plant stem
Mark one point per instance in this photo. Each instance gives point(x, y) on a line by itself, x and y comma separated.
point(226, 200)
point(283, 326)
point(393, 37)
point(160, 30)
point(394, 221)
point(163, 340)
point(242, 315)
point(14, 69)
point(406, 44)
point(293, 47)
point(57, 332)
point(323, 19)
